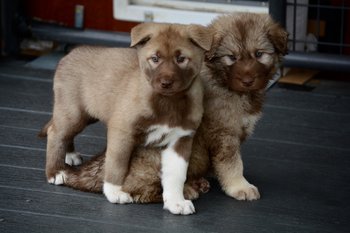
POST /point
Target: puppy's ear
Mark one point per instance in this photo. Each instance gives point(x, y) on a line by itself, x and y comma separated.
point(141, 33)
point(279, 38)
point(217, 38)
point(201, 36)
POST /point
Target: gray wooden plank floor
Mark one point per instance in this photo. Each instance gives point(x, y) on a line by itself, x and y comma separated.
point(299, 157)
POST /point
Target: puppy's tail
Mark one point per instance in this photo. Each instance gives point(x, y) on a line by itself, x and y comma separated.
point(88, 177)
point(43, 131)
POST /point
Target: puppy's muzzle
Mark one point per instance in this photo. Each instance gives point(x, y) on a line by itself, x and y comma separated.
point(166, 83)
point(247, 81)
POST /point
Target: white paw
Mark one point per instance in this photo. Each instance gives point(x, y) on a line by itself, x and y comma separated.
point(58, 179)
point(114, 194)
point(73, 159)
point(184, 207)
point(243, 191)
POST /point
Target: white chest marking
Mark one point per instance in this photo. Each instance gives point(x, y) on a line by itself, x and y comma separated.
point(163, 135)
point(249, 122)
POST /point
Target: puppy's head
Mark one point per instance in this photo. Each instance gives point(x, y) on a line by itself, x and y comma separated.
point(245, 50)
point(170, 55)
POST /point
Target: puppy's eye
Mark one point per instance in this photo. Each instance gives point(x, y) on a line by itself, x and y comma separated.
point(228, 60)
point(180, 59)
point(155, 58)
point(232, 57)
point(258, 54)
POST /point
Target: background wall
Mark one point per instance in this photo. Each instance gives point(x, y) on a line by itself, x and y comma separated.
point(97, 14)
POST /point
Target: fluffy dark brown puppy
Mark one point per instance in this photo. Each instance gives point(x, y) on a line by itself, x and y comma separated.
point(240, 64)
point(243, 58)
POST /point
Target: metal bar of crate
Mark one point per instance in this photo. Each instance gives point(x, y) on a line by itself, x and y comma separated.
point(318, 61)
point(277, 10)
point(70, 35)
point(77, 36)
point(342, 26)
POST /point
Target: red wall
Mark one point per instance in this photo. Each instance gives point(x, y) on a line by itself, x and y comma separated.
point(97, 14)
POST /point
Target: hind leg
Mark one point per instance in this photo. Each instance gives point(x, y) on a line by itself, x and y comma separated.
point(55, 153)
point(60, 138)
point(73, 158)
point(143, 178)
point(145, 192)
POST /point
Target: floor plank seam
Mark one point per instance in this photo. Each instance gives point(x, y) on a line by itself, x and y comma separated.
point(75, 193)
point(26, 78)
point(25, 110)
point(305, 110)
point(22, 147)
point(22, 167)
point(37, 130)
point(298, 144)
point(115, 223)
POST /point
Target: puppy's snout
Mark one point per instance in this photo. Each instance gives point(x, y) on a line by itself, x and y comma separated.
point(166, 83)
point(247, 81)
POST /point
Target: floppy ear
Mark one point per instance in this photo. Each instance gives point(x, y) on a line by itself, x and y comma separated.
point(217, 38)
point(200, 36)
point(141, 33)
point(279, 38)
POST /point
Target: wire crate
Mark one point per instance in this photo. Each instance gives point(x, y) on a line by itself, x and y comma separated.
point(319, 32)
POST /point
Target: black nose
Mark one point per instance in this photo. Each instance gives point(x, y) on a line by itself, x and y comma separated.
point(166, 83)
point(247, 82)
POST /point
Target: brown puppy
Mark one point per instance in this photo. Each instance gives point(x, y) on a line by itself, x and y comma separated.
point(243, 58)
point(149, 96)
point(240, 64)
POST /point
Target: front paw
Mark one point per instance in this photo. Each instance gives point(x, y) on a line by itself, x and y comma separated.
point(114, 194)
point(243, 192)
point(184, 207)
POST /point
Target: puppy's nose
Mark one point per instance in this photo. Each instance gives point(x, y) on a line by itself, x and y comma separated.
point(166, 83)
point(247, 81)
